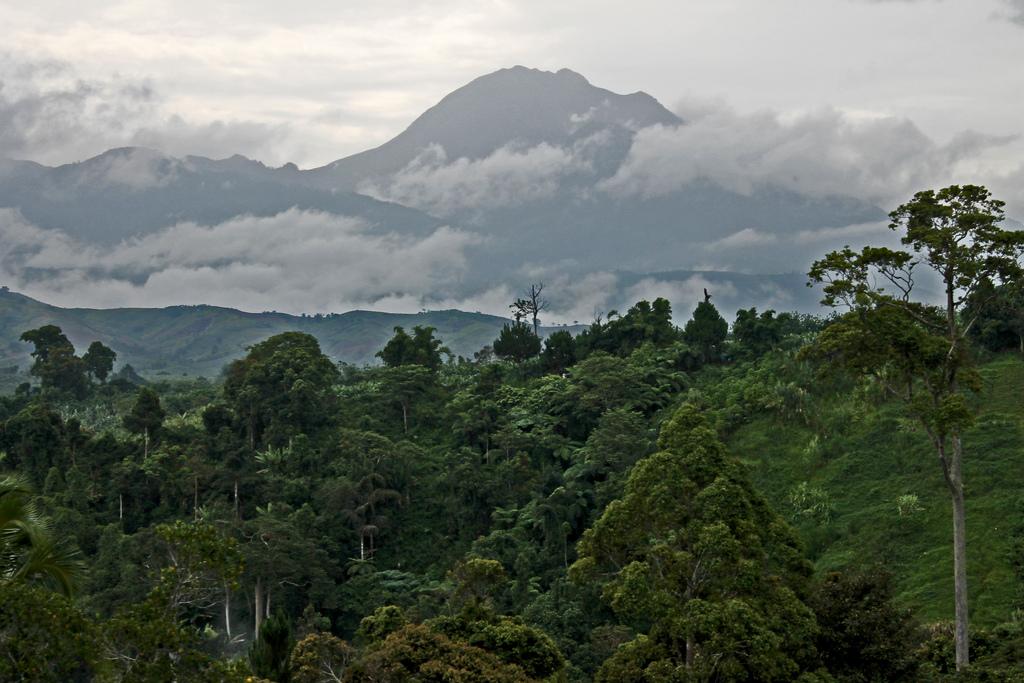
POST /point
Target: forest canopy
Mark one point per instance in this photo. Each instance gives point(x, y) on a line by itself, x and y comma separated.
point(639, 501)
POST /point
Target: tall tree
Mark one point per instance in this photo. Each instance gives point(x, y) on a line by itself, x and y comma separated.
point(363, 509)
point(420, 348)
point(161, 638)
point(919, 351)
point(530, 306)
point(46, 339)
point(706, 330)
point(559, 351)
point(99, 360)
point(516, 342)
point(692, 555)
point(146, 417)
point(282, 388)
point(405, 385)
point(56, 364)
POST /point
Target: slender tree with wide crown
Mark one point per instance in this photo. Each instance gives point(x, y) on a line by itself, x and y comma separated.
point(919, 351)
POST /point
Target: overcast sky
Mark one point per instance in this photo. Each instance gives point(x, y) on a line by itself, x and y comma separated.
point(310, 81)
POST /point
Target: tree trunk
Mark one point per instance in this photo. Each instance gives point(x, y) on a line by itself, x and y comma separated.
point(405, 418)
point(955, 483)
point(145, 442)
point(227, 610)
point(120, 506)
point(236, 499)
point(690, 646)
point(956, 489)
point(258, 608)
point(195, 497)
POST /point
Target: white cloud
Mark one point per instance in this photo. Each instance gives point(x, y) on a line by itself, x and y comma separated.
point(507, 177)
point(827, 152)
point(1014, 11)
point(295, 261)
point(137, 167)
point(744, 239)
point(49, 113)
point(847, 232)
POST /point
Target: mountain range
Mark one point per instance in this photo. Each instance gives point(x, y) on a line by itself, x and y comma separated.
point(537, 175)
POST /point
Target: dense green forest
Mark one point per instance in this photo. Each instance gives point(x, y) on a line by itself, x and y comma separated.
point(197, 341)
point(744, 501)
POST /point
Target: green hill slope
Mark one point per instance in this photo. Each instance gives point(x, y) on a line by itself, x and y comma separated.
point(860, 460)
point(199, 340)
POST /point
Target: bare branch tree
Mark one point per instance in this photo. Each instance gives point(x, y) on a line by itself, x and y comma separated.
point(537, 304)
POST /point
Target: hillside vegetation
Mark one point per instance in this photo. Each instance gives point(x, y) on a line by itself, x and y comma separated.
point(854, 457)
point(201, 340)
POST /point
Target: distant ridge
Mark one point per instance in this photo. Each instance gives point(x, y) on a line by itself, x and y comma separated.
point(200, 340)
point(135, 191)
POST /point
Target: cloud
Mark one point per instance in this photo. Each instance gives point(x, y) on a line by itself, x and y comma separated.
point(846, 232)
point(823, 153)
point(744, 239)
point(753, 250)
point(51, 114)
point(295, 261)
point(508, 176)
point(1016, 11)
point(309, 262)
point(274, 144)
point(877, 158)
point(45, 108)
point(136, 167)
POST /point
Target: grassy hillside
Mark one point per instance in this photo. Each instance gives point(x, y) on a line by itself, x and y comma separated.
point(861, 458)
point(199, 340)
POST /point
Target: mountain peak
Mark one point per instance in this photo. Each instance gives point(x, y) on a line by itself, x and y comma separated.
point(569, 73)
point(526, 72)
point(147, 153)
point(512, 106)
